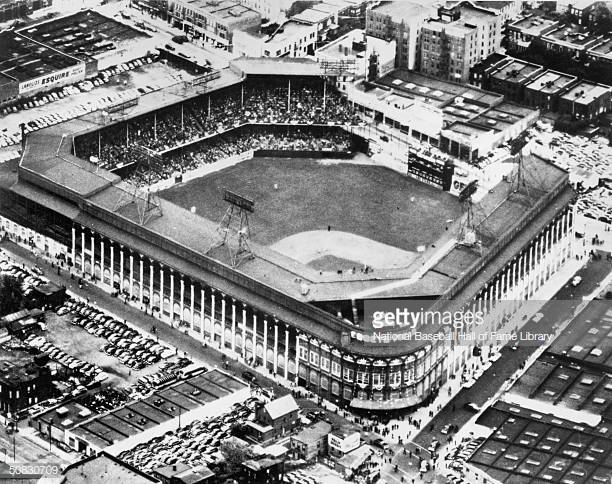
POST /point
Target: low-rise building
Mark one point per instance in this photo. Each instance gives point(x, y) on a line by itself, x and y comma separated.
point(523, 31)
point(569, 39)
point(544, 90)
point(215, 21)
point(263, 471)
point(274, 419)
point(586, 100)
point(351, 463)
point(481, 72)
point(511, 78)
point(311, 442)
point(181, 473)
point(342, 441)
point(601, 51)
point(103, 468)
point(583, 10)
point(24, 381)
point(291, 39)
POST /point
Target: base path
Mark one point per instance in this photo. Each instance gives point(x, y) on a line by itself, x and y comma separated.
point(306, 247)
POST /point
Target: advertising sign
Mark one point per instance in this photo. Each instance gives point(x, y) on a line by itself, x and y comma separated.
point(64, 76)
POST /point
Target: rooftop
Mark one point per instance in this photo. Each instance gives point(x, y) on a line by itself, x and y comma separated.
point(459, 28)
point(103, 468)
point(230, 10)
point(403, 10)
point(312, 16)
point(551, 82)
point(84, 34)
point(603, 48)
point(572, 35)
point(281, 406)
point(530, 447)
point(585, 92)
point(23, 59)
point(263, 66)
point(533, 25)
point(313, 434)
point(517, 71)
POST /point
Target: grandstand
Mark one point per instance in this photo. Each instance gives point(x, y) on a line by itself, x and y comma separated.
point(331, 229)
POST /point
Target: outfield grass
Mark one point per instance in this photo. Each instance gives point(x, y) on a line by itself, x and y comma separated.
point(370, 201)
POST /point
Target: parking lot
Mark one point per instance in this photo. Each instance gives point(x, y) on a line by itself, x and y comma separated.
point(79, 343)
point(119, 84)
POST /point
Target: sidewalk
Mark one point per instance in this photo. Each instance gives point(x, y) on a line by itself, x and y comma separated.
point(452, 387)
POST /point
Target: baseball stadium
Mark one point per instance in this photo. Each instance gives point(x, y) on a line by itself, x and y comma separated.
point(246, 210)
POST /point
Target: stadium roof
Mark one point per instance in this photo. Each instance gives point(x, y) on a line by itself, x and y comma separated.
point(264, 66)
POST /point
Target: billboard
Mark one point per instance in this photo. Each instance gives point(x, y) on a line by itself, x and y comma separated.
point(65, 76)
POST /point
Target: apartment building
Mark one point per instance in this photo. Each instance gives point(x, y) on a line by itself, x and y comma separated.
point(402, 22)
point(448, 49)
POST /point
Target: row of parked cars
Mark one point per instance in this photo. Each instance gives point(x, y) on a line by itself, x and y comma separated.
point(28, 278)
point(124, 343)
point(92, 372)
point(168, 373)
point(195, 444)
point(7, 138)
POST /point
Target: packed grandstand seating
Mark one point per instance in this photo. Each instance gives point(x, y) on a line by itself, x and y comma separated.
point(235, 143)
point(226, 109)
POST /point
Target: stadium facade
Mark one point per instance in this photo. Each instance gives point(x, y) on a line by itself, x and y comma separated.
point(268, 310)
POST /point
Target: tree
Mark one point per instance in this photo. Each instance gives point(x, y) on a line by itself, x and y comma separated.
point(235, 454)
point(11, 295)
point(602, 20)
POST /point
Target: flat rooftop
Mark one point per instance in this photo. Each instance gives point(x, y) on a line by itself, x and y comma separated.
point(551, 82)
point(573, 35)
point(585, 92)
point(312, 16)
point(530, 447)
point(224, 9)
point(459, 28)
point(104, 467)
point(434, 91)
point(22, 59)
point(84, 34)
point(402, 10)
point(161, 406)
point(264, 66)
point(602, 49)
point(533, 25)
point(517, 71)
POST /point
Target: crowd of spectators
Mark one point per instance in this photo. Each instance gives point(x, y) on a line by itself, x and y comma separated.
point(236, 143)
point(223, 111)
